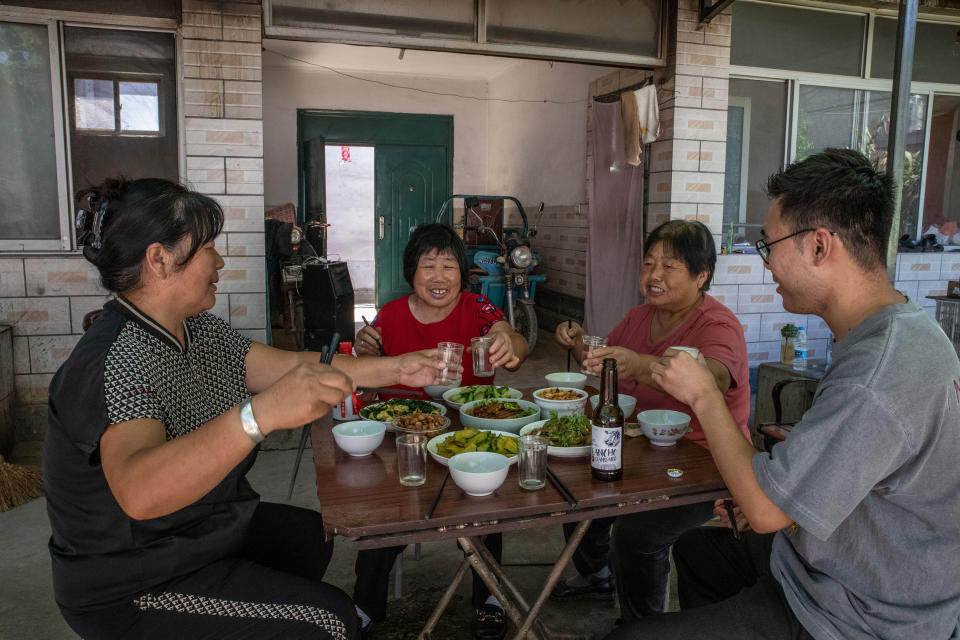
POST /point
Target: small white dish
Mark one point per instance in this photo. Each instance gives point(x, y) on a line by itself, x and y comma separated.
point(560, 407)
point(627, 403)
point(663, 427)
point(557, 452)
point(566, 379)
point(359, 437)
point(434, 442)
point(479, 473)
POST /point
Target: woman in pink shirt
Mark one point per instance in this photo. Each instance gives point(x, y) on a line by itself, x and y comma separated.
point(676, 273)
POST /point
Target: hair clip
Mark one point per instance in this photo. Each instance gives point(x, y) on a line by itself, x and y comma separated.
point(98, 225)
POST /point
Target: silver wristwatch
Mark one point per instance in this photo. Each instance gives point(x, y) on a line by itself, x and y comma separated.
point(249, 423)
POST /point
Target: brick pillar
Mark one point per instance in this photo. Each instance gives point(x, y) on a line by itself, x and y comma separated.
point(223, 112)
point(687, 162)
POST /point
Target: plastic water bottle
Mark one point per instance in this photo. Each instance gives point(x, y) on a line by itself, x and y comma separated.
point(829, 353)
point(800, 350)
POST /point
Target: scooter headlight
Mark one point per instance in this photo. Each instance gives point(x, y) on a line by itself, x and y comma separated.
point(521, 257)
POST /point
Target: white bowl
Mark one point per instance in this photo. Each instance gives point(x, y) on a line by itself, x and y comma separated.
point(449, 393)
point(566, 379)
point(436, 391)
point(561, 407)
point(435, 442)
point(559, 452)
point(479, 473)
point(359, 437)
point(499, 424)
point(627, 403)
point(662, 426)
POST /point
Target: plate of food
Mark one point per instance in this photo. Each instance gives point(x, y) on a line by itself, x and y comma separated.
point(389, 410)
point(504, 414)
point(429, 424)
point(462, 395)
point(446, 445)
point(569, 435)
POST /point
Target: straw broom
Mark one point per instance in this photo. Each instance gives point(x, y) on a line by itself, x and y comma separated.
point(18, 484)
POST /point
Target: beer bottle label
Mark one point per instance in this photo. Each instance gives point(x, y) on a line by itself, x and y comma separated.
point(606, 450)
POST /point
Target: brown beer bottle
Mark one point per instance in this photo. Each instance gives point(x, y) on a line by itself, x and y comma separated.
point(606, 447)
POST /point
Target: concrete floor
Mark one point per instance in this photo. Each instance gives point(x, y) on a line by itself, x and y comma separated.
point(27, 608)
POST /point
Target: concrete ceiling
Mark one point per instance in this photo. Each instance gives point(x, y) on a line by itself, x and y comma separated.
point(357, 59)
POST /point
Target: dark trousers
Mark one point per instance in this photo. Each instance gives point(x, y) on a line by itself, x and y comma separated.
point(726, 593)
point(373, 577)
point(271, 589)
point(638, 552)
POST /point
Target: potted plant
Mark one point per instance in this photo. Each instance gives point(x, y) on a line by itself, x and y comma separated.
point(787, 333)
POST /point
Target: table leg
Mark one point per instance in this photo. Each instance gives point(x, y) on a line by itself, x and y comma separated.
point(553, 577)
point(511, 590)
point(444, 601)
point(483, 565)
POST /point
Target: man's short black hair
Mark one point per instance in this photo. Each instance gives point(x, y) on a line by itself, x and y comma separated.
point(691, 242)
point(429, 237)
point(839, 190)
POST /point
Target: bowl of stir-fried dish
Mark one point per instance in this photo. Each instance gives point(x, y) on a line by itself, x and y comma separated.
point(460, 396)
point(499, 414)
point(565, 401)
point(569, 435)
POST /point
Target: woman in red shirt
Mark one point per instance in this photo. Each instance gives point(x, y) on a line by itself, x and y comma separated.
point(438, 310)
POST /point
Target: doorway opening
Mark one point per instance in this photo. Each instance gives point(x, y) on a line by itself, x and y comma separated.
point(349, 180)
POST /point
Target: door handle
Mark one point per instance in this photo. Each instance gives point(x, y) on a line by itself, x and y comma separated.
point(381, 222)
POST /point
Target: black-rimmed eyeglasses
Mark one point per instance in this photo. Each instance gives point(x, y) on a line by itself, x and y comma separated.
point(763, 247)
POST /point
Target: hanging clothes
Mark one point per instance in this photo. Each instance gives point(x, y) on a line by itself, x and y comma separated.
point(615, 224)
point(641, 121)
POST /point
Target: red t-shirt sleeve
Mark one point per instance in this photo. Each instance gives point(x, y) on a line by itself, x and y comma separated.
point(719, 339)
point(487, 314)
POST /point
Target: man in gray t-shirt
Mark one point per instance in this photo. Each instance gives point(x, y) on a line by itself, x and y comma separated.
point(864, 496)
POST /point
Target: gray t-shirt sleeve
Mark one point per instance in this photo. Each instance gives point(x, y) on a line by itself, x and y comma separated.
point(843, 448)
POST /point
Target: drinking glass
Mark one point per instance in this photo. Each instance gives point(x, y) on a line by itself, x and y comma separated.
point(481, 356)
point(589, 344)
point(412, 459)
point(532, 461)
point(450, 354)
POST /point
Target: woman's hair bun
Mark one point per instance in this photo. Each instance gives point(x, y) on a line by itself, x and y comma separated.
point(93, 205)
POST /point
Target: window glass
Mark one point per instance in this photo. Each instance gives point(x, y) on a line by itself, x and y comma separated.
point(139, 106)
point(796, 38)
point(139, 67)
point(29, 206)
point(424, 18)
point(577, 25)
point(93, 103)
point(756, 126)
point(856, 119)
point(941, 201)
point(936, 55)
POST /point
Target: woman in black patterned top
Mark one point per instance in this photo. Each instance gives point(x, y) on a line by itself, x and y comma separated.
point(154, 422)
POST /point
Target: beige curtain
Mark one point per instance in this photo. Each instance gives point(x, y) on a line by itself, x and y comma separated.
point(615, 245)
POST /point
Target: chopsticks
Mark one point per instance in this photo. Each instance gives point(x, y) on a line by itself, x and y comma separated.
point(379, 344)
point(561, 488)
point(569, 326)
point(327, 353)
point(436, 498)
point(398, 392)
point(728, 505)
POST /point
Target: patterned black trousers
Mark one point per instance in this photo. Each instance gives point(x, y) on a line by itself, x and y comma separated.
point(273, 589)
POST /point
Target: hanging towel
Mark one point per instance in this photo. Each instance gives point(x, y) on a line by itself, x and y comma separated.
point(631, 128)
point(641, 121)
point(649, 113)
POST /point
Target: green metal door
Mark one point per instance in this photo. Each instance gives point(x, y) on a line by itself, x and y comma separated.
point(410, 184)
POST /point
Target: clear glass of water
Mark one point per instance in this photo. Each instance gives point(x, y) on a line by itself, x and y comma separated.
point(482, 368)
point(532, 461)
point(412, 459)
point(589, 344)
point(450, 354)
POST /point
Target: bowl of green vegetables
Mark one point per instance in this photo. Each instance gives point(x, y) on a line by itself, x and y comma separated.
point(462, 395)
point(569, 435)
